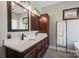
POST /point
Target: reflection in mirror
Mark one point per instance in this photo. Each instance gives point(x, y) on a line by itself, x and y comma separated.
point(19, 18)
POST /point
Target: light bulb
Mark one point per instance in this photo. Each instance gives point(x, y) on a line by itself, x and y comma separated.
point(24, 10)
point(17, 1)
point(13, 3)
point(34, 12)
point(29, 7)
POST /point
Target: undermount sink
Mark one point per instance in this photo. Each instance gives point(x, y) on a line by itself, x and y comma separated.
point(27, 38)
point(30, 38)
point(20, 45)
point(34, 37)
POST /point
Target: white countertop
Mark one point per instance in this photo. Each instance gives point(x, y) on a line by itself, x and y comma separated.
point(76, 45)
point(21, 45)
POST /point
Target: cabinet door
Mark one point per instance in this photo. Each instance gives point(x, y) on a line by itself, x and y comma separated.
point(31, 54)
point(34, 23)
point(46, 43)
point(43, 47)
point(43, 23)
point(39, 54)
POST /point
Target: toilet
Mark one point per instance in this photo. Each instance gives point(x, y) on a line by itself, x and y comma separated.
point(76, 44)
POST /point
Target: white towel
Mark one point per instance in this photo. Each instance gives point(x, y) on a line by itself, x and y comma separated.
point(61, 34)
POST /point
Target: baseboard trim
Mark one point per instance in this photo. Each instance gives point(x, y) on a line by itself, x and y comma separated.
point(61, 49)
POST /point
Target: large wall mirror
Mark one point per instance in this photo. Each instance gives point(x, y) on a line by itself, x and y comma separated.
point(18, 17)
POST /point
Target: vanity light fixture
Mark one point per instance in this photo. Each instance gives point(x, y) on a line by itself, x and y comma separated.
point(39, 13)
point(34, 12)
point(17, 1)
point(24, 10)
point(23, 1)
point(30, 7)
point(13, 3)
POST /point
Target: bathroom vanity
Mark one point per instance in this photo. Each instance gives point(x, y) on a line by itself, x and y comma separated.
point(27, 48)
point(32, 46)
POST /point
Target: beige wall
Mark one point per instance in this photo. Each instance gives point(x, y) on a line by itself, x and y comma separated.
point(56, 14)
point(3, 27)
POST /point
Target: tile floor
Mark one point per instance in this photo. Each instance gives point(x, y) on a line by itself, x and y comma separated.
point(58, 54)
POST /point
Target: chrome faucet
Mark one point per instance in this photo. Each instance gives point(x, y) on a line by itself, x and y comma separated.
point(23, 36)
point(36, 33)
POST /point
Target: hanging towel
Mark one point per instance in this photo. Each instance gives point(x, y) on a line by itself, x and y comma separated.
point(61, 33)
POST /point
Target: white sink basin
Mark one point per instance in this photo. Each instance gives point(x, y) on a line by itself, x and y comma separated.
point(21, 45)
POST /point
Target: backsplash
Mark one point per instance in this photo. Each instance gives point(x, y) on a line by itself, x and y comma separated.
point(18, 34)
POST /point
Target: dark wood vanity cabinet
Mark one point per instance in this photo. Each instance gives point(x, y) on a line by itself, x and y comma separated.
point(34, 22)
point(31, 54)
point(40, 23)
point(43, 23)
point(35, 51)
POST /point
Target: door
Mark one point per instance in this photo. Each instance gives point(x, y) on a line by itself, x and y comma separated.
point(43, 23)
point(34, 22)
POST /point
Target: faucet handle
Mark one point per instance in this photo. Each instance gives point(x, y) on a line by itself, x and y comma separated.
point(23, 34)
point(36, 33)
point(8, 36)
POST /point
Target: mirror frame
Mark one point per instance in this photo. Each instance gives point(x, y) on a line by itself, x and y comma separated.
point(9, 17)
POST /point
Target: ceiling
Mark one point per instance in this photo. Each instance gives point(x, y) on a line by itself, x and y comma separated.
point(37, 4)
point(42, 4)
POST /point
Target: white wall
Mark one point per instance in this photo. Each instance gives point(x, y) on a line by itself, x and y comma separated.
point(3, 26)
point(56, 14)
